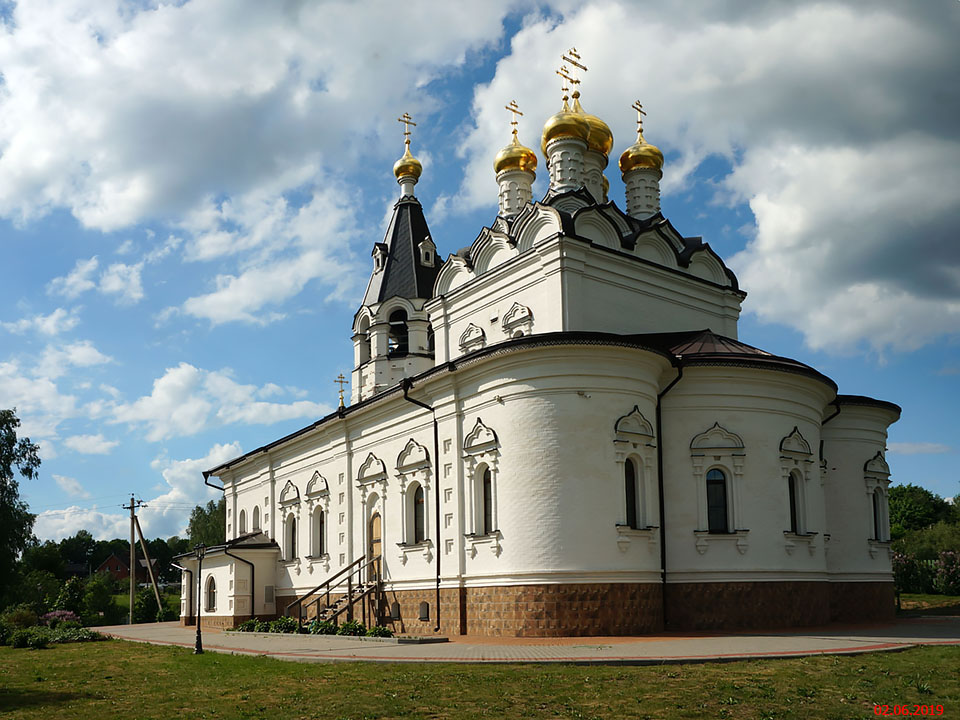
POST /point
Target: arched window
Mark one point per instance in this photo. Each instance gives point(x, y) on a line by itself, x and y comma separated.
point(419, 528)
point(792, 490)
point(717, 502)
point(431, 340)
point(878, 524)
point(319, 533)
point(398, 342)
point(486, 495)
point(363, 342)
point(243, 521)
point(211, 595)
point(256, 518)
point(291, 537)
point(630, 492)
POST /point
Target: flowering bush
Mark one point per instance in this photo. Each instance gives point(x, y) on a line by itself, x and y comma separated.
point(54, 618)
point(912, 575)
point(947, 569)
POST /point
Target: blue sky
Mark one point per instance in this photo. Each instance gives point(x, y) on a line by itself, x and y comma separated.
point(189, 193)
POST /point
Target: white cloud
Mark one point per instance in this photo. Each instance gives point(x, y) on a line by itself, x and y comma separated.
point(123, 281)
point(918, 448)
point(71, 486)
point(186, 400)
point(57, 322)
point(58, 524)
point(90, 444)
point(841, 146)
point(40, 405)
point(77, 281)
point(57, 359)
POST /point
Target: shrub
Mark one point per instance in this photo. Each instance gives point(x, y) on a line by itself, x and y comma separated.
point(166, 615)
point(19, 638)
point(322, 627)
point(37, 641)
point(247, 626)
point(284, 625)
point(74, 634)
point(947, 569)
point(98, 605)
point(145, 606)
point(379, 631)
point(69, 625)
point(262, 626)
point(19, 617)
point(54, 618)
point(928, 543)
point(71, 596)
point(352, 627)
point(912, 575)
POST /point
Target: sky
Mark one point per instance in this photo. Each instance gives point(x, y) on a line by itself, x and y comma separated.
point(189, 193)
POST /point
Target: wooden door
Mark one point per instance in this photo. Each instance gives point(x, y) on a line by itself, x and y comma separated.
point(374, 533)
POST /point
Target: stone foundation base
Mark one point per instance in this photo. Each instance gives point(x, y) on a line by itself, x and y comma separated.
point(862, 602)
point(219, 622)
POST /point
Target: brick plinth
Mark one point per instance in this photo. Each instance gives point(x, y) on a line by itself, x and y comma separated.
point(862, 601)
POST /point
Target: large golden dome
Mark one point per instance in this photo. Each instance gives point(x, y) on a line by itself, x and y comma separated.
point(641, 155)
point(565, 123)
point(515, 157)
point(407, 166)
point(600, 138)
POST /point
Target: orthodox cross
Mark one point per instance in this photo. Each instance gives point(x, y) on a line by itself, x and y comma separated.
point(640, 113)
point(573, 57)
point(407, 122)
point(565, 74)
point(515, 109)
point(341, 381)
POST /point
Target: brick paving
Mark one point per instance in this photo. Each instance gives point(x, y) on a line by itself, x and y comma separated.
point(648, 649)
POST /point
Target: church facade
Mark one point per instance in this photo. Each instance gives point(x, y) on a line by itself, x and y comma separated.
point(556, 431)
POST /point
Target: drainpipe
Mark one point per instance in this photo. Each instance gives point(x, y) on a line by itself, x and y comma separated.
point(189, 582)
point(253, 585)
point(835, 403)
point(407, 384)
point(663, 519)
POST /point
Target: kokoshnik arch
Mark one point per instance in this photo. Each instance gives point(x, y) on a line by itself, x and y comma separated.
point(556, 431)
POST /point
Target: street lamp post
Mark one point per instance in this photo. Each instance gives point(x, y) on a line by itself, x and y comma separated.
point(201, 550)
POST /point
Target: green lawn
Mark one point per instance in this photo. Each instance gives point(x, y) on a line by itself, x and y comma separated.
point(116, 679)
point(916, 603)
point(171, 602)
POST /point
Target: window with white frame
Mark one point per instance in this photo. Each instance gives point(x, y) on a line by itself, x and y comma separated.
point(718, 510)
point(211, 595)
point(256, 518)
point(319, 533)
point(290, 537)
point(632, 493)
point(243, 522)
point(418, 512)
point(717, 456)
point(635, 452)
point(481, 455)
point(876, 475)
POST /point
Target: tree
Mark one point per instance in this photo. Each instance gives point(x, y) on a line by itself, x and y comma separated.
point(77, 549)
point(208, 524)
point(914, 508)
point(17, 455)
point(46, 557)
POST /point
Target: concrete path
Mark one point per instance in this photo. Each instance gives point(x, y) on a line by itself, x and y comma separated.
point(653, 649)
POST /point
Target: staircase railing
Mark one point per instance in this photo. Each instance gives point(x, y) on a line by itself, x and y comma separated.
point(357, 569)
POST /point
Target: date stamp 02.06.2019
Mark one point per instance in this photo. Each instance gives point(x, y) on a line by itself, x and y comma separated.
point(908, 710)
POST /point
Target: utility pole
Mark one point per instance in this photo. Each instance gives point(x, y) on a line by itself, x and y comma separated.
point(134, 504)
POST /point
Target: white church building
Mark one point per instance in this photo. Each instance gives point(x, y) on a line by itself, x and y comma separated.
point(556, 431)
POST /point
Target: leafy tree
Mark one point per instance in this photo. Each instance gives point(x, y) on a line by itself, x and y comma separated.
point(98, 605)
point(927, 543)
point(208, 524)
point(71, 596)
point(914, 508)
point(102, 549)
point(17, 455)
point(45, 557)
point(77, 549)
point(39, 589)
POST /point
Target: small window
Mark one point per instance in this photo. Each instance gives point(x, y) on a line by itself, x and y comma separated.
point(419, 533)
point(256, 519)
point(319, 530)
point(878, 533)
point(717, 502)
point(211, 594)
point(291, 537)
point(630, 492)
point(487, 525)
point(243, 522)
point(794, 509)
point(398, 341)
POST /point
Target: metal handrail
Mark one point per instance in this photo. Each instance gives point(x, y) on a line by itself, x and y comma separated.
point(360, 564)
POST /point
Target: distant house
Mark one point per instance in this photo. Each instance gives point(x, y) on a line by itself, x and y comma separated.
point(120, 568)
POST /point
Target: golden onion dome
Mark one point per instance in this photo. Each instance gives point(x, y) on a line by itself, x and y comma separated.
point(641, 155)
point(565, 123)
point(600, 138)
point(515, 157)
point(407, 166)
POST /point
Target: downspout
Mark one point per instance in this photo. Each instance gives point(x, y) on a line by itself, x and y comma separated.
point(253, 585)
point(406, 384)
point(206, 481)
point(189, 584)
point(837, 405)
point(663, 520)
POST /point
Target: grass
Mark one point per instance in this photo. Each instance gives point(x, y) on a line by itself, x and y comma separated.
point(930, 604)
point(170, 601)
point(115, 679)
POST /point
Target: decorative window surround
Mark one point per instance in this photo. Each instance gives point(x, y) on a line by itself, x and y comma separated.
point(877, 547)
point(796, 456)
point(424, 549)
point(626, 534)
point(321, 560)
point(721, 449)
point(633, 437)
point(705, 537)
point(373, 470)
point(876, 478)
point(791, 540)
point(428, 252)
point(519, 318)
point(413, 466)
point(473, 338)
point(475, 543)
point(481, 450)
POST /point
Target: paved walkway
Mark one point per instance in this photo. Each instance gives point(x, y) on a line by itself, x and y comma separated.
point(653, 649)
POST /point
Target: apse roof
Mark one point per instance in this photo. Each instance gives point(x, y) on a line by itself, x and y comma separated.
point(403, 274)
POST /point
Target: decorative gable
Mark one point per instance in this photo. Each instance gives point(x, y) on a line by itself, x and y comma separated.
point(290, 494)
point(518, 319)
point(633, 426)
point(795, 443)
point(317, 486)
point(414, 456)
point(472, 338)
point(371, 470)
point(877, 465)
point(480, 439)
point(717, 438)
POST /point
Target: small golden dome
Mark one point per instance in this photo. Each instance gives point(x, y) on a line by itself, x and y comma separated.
point(565, 123)
point(600, 138)
point(515, 157)
point(641, 155)
point(407, 166)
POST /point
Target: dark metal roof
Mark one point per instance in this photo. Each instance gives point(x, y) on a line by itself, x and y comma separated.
point(403, 274)
point(868, 402)
point(241, 542)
